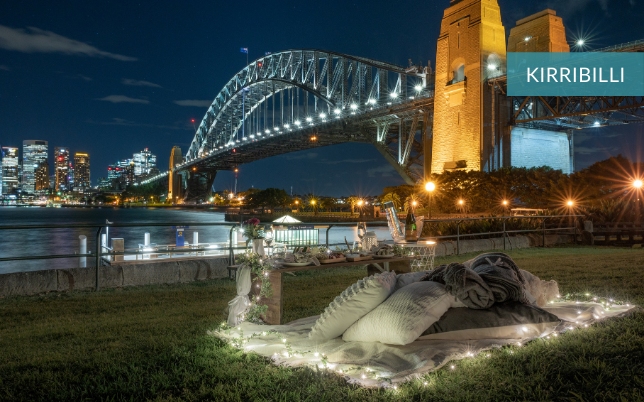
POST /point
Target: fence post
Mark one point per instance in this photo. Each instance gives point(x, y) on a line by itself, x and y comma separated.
point(458, 238)
point(98, 253)
point(231, 253)
point(82, 261)
point(544, 233)
point(327, 235)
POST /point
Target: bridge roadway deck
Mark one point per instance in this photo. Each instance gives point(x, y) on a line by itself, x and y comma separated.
point(359, 128)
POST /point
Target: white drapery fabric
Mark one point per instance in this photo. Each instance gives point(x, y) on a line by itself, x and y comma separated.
point(238, 306)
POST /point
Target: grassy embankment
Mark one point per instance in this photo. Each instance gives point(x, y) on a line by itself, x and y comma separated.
point(151, 343)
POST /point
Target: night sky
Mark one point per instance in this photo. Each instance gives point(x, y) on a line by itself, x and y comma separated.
point(113, 77)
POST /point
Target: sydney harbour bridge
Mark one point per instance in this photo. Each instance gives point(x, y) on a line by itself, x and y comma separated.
point(300, 99)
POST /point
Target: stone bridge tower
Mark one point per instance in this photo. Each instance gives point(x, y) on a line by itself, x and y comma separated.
point(175, 187)
point(471, 48)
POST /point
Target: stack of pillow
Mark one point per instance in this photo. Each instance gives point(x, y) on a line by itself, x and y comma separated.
point(398, 309)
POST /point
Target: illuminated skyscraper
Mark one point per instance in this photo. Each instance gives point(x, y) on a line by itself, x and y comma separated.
point(41, 175)
point(144, 162)
point(9, 181)
point(61, 167)
point(81, 170)
point(34, 152)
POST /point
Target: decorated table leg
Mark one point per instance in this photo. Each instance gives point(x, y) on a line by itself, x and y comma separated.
point(274, 302)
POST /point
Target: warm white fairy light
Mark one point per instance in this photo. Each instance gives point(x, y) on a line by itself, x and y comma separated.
point(369, 372)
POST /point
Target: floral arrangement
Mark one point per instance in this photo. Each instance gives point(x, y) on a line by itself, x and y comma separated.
point(253, 230)
point(259, 272)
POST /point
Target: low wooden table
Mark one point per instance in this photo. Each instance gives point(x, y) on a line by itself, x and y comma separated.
point(275, 302)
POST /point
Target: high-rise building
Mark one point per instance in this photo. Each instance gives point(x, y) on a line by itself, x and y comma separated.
point(41, 176)
point(61, 167)
point(81, 170)
point(9, 182)
point(113, 171)
point(144, 162)
point(34, 152)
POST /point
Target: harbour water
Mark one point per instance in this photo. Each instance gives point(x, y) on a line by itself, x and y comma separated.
point(37, 242)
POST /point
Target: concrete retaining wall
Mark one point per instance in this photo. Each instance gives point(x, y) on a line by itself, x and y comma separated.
point(190, 270)
point(445, 248)
point(114, 276)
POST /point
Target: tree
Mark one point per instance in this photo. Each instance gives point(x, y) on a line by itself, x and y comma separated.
point(353, 201)
point(270, 198)
point(412, 202)
point(393, 198)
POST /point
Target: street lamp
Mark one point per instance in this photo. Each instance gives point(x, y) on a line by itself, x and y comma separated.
point(637, 185)
point(430, 187)
point(360, 204)
point(505, 205)
point(461, 204)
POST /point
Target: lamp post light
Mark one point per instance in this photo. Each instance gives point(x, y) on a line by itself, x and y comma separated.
point(297, 205)
point(505, 203)
point(637, 185)
point(461, 204)
point(360, 204)
point(315, 211)
point(430, 187)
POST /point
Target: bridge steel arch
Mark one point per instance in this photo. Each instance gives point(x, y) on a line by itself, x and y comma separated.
point(297, 92)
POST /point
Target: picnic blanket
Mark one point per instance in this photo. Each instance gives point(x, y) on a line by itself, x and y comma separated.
point(374, 364)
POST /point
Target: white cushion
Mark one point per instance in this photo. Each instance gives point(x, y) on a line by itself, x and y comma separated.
point(356, 301)
point(405, 315)
point(403, 280)
point(542, 291)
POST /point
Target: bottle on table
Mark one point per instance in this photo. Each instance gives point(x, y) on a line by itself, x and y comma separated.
point(410, 227)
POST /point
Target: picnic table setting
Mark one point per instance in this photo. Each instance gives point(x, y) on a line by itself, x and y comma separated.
point(389, 327)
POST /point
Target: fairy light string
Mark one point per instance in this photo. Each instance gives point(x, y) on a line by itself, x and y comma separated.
point(320, 361)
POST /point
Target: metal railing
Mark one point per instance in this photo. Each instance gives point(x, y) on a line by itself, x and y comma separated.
point(104, 254)
point(102, 251)
point(543, 230)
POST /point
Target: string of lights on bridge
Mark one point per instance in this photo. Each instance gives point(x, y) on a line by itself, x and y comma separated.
point(312, 120)
point(309, 121)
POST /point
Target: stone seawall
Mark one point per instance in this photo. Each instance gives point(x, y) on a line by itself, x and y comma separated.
point(112, 276)
point(190, 270)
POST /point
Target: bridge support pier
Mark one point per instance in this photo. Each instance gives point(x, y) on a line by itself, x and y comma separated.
point(198, 184)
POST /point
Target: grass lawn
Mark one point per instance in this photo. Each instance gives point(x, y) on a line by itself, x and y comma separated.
point(150, 343)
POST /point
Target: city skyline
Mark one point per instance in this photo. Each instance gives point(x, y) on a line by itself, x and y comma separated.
point(69, 76)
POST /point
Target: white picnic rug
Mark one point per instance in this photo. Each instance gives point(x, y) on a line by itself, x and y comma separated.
point(373, 364)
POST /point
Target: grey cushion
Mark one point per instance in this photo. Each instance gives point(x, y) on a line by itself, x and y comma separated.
point(499, 315)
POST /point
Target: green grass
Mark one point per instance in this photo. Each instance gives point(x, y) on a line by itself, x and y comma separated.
point(150, 343)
